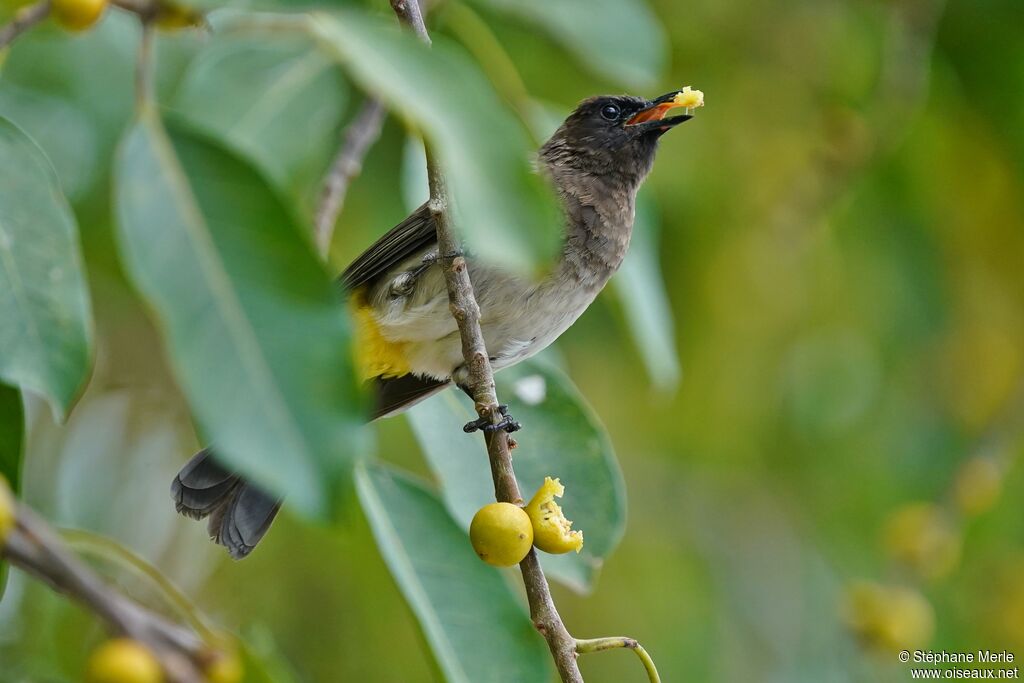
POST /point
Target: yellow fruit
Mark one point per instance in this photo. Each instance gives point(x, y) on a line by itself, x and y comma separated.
point(922, 537)
point(123, 660)
point(501, 534)
point(552, 532)
point(226, 667)
point(977, 485)
point(7, 517)
point(888, 618)
point(77, 15)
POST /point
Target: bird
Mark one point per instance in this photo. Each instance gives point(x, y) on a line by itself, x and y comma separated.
point(407, 343)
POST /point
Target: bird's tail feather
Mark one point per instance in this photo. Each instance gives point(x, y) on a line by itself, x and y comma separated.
point(239, 512)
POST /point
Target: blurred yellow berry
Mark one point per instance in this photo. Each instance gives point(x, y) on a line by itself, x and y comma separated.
point(1002, 608)
point(123, 660)
point(887, 618)
point(977, 485)
point(501, 534)
point(224, 667)
point(77, 15)
point(7, 508)
point(922, 537)
point(983, 356)
point(552, 532)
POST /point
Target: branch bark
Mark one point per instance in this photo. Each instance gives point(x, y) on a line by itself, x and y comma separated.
point(359, 136)
point(36, 549)
point(23, 20)
point(480, 381)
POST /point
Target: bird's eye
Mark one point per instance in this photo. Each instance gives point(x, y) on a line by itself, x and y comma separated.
point(610, 112)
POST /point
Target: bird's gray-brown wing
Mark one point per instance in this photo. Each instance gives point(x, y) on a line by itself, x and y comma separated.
point(411, 236)
point(414, 234)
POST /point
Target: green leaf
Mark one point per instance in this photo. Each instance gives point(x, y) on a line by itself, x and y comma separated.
point(477, 629)
point(278, 102)
point(619, 39)
point(255, 330)
point(561, 438)
point(45, 324)
point(12, 433)
point(506, 212)
point(645, 304)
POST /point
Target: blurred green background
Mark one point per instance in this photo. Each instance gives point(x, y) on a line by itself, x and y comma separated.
point(841, 238)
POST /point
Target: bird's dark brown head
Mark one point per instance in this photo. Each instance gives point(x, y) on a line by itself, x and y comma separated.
point(613, 136)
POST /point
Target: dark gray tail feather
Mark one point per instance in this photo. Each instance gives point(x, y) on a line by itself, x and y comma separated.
point(240, 513)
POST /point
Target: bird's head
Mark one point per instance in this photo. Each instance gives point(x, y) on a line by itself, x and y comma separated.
point(614, 136)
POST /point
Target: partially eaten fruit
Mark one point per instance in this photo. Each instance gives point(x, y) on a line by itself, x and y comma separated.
point(501, 534)
point(552, 532)
point(687, 98)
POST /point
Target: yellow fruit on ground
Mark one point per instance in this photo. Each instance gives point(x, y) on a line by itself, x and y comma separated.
point(922, 537)
point(123, 660)
point(7, 516)
point(552, 532)
point(77, 15)
point(888, 618)
point(501, 534)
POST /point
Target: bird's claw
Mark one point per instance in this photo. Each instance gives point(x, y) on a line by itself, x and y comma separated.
point(507, 423)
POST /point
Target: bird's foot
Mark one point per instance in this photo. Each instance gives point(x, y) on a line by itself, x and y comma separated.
point(435, 257)
point(507, 423)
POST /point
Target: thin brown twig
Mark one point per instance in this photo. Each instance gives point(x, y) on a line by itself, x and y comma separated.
point(24, 19)
point(348, 163)
point(480, 382)
point(36, 549)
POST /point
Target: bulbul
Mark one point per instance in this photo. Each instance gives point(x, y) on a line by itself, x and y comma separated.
point(407, 343)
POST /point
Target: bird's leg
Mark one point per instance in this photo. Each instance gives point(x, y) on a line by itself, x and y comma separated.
point(507, 422)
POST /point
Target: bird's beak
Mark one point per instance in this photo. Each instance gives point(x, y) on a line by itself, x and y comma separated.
point(654, 115)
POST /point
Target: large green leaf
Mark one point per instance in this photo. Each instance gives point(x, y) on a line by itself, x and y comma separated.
point(620, 39)
point(477, 629)
point(505, 210)
point(278, 102)
point(45, 324)
point(256, 333)
point(561, 437)
point(645, 304)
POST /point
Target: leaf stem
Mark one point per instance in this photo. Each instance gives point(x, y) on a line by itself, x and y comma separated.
point(24, 19)
point(144, 96)
point(112, 551)
point(478, 377)
point(602, 644)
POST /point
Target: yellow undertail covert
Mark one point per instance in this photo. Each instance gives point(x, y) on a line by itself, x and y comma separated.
point(375, 355)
